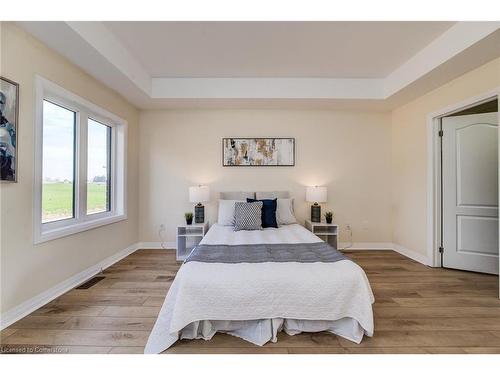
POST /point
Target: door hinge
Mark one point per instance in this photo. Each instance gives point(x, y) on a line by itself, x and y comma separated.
point(440, 133)
point(441, 249)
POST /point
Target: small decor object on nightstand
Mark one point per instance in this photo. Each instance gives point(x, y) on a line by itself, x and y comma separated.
point(199, 194)
point(189, 218)
point(316, 194)
point(329, 217)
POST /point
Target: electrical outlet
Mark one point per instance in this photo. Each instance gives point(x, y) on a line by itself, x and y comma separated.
point(365, 225)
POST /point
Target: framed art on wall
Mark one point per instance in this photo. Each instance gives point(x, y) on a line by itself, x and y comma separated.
point(9, 117)
point(258, 152)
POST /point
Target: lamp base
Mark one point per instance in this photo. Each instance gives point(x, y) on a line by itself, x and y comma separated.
point(316, 213)
point(199, 213)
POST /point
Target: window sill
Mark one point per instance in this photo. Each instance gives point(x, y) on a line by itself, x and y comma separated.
point(49, 235)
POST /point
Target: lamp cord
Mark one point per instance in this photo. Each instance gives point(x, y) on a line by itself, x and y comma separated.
point(350, 240)
point(162, 241)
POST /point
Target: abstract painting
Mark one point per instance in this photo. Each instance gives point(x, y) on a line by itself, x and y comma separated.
point(258, 152)
point(9, 113)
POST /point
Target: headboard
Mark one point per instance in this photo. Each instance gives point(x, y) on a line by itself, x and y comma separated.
point(272, 194)
point(243, 195)
point(237, 195)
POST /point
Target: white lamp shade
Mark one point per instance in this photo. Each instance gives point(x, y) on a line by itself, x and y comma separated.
point(199, 194)
point(316, 194)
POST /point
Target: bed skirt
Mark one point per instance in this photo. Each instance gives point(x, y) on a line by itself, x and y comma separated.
point(261, 331)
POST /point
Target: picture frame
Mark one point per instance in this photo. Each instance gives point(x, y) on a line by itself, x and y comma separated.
point(9, 125)
point(258, 152)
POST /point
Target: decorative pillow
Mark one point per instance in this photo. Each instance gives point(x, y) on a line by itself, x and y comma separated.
point(226, 212)
point(284, 212)
point(268, 212)
point(247, 216)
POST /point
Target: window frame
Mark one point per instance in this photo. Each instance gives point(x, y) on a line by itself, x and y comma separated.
point(110, 172)
point(55, 101)
point(47, 90)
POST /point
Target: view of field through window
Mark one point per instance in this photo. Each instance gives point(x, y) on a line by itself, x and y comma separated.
point(58, 189)
point(98, 167)
point(58, 162)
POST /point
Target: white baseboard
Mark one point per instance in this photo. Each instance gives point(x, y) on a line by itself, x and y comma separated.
point(20, 311)
point(421, 258)
point(387, 246)
point(366, 246)
point(157, 245)
point(355, 246)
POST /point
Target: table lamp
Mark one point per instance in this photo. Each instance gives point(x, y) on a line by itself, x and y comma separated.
point(316, 194)
point(199, 194)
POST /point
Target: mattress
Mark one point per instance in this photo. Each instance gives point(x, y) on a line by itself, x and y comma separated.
point(254, 301)
point(225, 235)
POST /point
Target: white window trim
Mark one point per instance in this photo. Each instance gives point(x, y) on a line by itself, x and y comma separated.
point(42, 232)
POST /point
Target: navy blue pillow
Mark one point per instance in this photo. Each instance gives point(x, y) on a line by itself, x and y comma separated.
point(268, 212)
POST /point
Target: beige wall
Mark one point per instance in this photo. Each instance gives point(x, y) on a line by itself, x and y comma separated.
point(27, 270)
point(374, 165)
point(409, 151)
point(349, 152)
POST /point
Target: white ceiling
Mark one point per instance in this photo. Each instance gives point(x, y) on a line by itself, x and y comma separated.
point(361, 65)
point(275, 49)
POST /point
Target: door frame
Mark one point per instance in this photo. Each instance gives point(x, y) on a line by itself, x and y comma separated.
point(434, 170)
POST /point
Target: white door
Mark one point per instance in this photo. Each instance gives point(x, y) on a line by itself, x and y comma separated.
point(470, 192)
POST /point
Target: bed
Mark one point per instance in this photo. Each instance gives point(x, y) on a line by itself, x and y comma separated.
point(255, 301)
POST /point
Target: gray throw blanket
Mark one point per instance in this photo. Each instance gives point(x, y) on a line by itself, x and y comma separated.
point(261, 253)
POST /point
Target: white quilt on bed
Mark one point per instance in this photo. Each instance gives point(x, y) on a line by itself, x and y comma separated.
point(209, 297)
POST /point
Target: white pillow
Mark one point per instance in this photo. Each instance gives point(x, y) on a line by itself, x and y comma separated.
point(226, 211)
point(284, 212)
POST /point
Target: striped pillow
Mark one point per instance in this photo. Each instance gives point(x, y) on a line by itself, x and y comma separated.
point(247, 216)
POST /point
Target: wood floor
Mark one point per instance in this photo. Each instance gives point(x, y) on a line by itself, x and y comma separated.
point(418, 310)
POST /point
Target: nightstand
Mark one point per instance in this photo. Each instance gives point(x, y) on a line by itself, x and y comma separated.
point(188, 237)
point(327, 232)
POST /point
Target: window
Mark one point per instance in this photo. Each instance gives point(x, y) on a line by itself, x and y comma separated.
point(98, 167)
point(80, 164)
point(58, 189)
